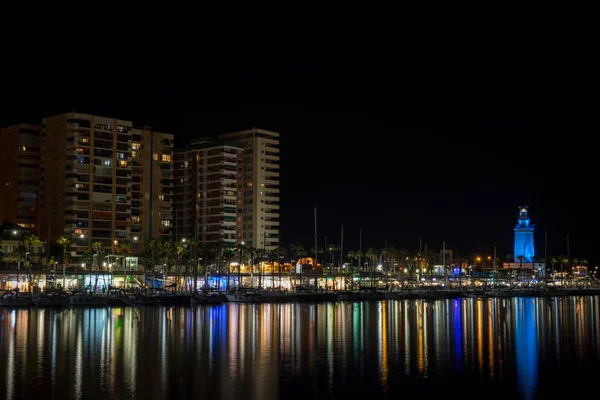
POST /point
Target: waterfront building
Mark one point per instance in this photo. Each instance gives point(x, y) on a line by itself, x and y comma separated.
point(260, 182)
point(208, 192)
point(90, 178)
point(20, 174)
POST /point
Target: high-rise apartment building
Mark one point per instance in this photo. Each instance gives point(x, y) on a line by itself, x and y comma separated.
point(102, 180)
point(152, 187)
point(208, 199)
point(260, 182)
point(19, 174)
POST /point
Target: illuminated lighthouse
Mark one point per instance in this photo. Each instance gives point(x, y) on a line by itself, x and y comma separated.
point(524, 237)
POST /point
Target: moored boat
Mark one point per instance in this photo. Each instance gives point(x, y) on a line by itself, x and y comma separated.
point(208, 298)
point(15, 299)
point(51, 299)
point(82, 299)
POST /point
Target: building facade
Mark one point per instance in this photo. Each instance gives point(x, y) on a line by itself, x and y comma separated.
point(103, 181)
point(260, 182)
point(20, 175)
point(208, 198)
point(524, 245)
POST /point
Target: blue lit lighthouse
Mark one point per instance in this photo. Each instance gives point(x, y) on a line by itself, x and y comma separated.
point(524, 237)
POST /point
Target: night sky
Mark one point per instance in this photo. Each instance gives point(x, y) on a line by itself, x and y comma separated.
point(439, 151)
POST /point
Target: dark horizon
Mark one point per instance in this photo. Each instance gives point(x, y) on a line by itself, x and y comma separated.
point(401, 154)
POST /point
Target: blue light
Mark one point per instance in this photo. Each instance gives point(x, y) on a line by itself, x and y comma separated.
point(524, 245)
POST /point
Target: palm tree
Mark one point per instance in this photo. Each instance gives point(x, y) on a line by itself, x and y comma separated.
point(178, 249)
point(372, 255)
point(97, 248)
point(279, 254)
point(252, 251)
point(228, 254)
point(241, 248)
point(564, 261)
point(192, 262)
point(154, 248)
point(553, 261)
point(333, 248)
point(260, 254)
point(65, 243)
point(28, 242)
point(124, 248)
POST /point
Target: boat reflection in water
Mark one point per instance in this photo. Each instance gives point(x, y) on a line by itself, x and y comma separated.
point(461, 348)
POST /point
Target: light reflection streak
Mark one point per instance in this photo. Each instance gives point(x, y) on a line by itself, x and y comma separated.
point(479, 337)
point(78, 360)
point(240, 350)
point(10, 364)
point(384, 348)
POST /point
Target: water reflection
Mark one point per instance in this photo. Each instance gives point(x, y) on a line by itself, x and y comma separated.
point(469, 348)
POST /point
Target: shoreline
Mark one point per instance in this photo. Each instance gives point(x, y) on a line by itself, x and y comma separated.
point(344, 296)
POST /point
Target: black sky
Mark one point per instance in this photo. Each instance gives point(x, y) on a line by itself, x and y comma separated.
point(443, 150)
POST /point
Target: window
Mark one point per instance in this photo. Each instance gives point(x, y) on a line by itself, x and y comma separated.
point(107, 163)
point(165, 222)
point(161, 196)
point(85, 141)
point(166, 158)
point(79, 150)
point(134, 154)
point(155, 157)
point(186, 164)
point(123, 164)
point(135, 146)
point(23, 148)
point(121, 155)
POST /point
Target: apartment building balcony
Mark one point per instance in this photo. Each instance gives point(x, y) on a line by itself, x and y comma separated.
point(271, 197)
point(228, 229)
point(271, 157)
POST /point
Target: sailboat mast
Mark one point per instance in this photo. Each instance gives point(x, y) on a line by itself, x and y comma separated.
point(316, 249)
point(342, 249)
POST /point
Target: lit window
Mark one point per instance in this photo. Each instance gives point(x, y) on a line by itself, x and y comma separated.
point(85, 140)
point(186, 163)
point(79, 150)
point(165, 222)
point(135, 146)
point(134, 154)
point(123, 164)
point(107, 163)
point(120, 155)
point(22, 148)
point(161, 196)
point(166, 158)
point(155, 157)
